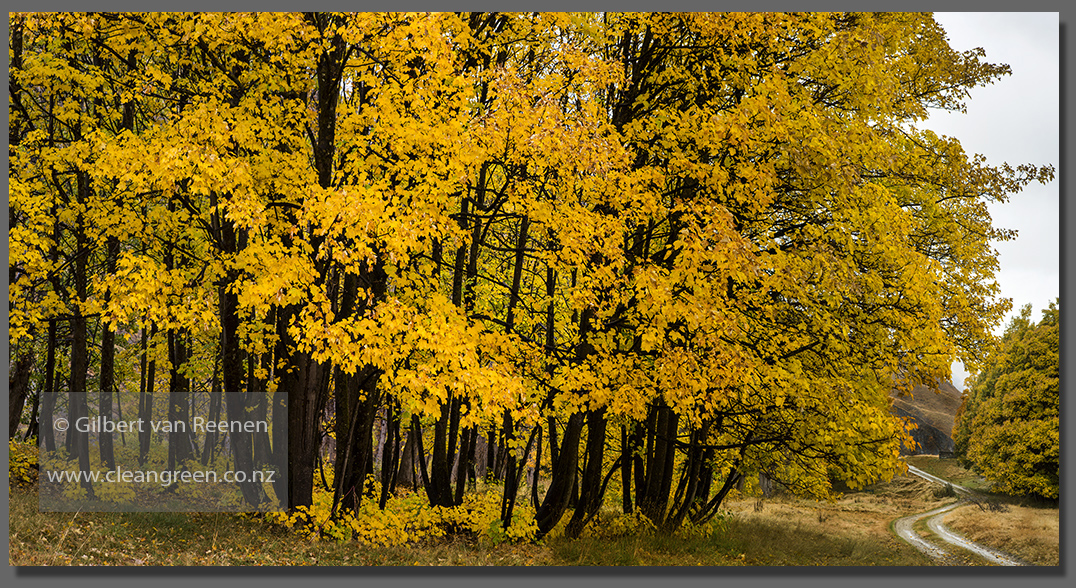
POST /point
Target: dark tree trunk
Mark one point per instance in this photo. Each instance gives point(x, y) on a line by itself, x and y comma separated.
point(390, 452)
point(627, 458)
point(406, 474)
point(659, 472)
point(48, 402)
point(464, 463)
point(178, 401)
point(235, 400)
point(79, 441)
point(281, 481)
point(32, 428)
point(416, 432)
point(562, 477)
point(537, 469)
point(357, 397)
point(263, 448)
point(108, 335)
point(108, 367)
point(709, 509)
point(306, 383)
point(18, 387)
point(512, 482)
point(211, 435)
point(354, 453)
point(491, 451)
point(145, 397)
point(591, 484)
point(691, 481)
point(509, 494)
point(440, 468)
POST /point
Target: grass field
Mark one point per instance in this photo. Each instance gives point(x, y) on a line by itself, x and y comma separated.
point(788, 531)
point(853, 530)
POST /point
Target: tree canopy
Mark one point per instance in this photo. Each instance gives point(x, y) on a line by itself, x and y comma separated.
point(707, 243)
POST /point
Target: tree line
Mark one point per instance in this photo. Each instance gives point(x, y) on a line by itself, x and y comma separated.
point(675, 249)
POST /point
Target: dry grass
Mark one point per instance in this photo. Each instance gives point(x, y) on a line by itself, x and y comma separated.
point(863, 517)
point(216, 539)
point(1032, 534)
point(850, 531)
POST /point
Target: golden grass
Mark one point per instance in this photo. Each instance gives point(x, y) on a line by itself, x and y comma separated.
point(864, 516)
point(850, 531)
point(216, 539)
point(1031, 534)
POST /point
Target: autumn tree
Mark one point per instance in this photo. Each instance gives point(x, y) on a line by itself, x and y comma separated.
point(674, 250)
point(783, 258)
point(1008, 426)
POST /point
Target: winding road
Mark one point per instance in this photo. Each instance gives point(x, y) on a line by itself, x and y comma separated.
point(903, 527)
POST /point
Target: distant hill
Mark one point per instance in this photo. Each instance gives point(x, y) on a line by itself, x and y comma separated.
point(934, 410)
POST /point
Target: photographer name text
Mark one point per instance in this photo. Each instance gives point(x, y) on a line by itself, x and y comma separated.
point(196, 425)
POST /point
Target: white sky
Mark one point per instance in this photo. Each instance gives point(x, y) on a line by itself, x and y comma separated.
point(1015, 120)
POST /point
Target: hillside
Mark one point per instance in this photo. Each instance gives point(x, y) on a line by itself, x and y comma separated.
point(934, 411)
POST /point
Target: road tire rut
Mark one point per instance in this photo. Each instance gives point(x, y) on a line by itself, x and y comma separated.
point(904, 529)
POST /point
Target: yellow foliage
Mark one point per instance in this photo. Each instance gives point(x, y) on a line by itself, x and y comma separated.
point(22, 466)
point(407, 518)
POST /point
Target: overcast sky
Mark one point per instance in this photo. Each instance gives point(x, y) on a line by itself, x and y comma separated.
point(1015, 120)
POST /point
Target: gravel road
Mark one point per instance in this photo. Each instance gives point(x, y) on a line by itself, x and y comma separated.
point(903, 527)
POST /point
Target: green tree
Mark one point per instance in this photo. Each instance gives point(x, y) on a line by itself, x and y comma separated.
point(1009, 425)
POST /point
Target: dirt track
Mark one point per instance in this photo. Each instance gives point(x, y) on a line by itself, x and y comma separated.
point(903, 527)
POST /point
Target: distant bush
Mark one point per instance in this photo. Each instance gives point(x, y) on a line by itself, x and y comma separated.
point(992, 506)
point(945, 491)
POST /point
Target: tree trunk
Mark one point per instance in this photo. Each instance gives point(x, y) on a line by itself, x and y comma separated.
point(18, 387)
point(145, 397)
point(591, 485)
point(406, 474)
point(179, 448)
point(79, 441)
point(627, 458)
point(211, 436)
point(562, 477)
point(235, 400)
point(263, 448)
